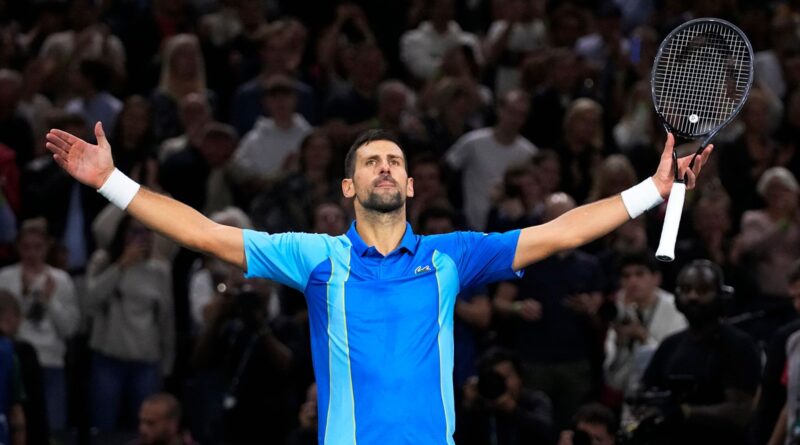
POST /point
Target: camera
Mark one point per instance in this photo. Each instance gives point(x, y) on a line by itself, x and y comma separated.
point(491, 385)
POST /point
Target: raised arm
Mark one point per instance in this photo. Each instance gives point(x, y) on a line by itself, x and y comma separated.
point(92, 165)
point(591, 221)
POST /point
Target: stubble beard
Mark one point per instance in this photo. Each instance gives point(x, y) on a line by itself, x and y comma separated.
point(379, 203)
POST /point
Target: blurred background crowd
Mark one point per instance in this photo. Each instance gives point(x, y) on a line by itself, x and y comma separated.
point(511, 112)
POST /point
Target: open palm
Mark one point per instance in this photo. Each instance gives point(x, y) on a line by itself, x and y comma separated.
point(88, 163)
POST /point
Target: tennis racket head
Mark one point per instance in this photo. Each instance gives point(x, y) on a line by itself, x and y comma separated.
point(701, 76)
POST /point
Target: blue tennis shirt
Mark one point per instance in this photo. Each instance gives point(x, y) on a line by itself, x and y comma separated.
point(382, 326)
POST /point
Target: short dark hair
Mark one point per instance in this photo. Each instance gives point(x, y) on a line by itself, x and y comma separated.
point(365, 138)
point(97, 72)
point(639, 258)
point(496, 355)
point(597, 414)
point(435, 212)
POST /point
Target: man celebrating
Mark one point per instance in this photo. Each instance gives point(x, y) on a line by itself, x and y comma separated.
point(380, 297)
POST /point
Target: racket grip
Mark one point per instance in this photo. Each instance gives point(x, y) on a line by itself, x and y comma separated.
point(672, 220)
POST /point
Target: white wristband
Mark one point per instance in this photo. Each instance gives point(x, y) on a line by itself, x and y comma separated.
point(641, 198)
point(119, 189)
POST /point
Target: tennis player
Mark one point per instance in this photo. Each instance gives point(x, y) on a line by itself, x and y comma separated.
point(380, 297)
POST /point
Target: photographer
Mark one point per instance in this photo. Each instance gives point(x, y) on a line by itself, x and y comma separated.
point(497, 410)
point(711, 369)
point(244, 362)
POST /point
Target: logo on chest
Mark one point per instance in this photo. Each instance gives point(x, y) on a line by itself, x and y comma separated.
point(422, 269)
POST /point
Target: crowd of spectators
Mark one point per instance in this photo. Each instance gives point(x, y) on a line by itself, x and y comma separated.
point(510, 112)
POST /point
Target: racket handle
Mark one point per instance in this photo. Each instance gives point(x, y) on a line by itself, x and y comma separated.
point(672, 220)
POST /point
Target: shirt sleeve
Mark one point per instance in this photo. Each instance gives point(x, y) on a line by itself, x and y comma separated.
point(458, 154)
point(288, 258)
point(486, 257)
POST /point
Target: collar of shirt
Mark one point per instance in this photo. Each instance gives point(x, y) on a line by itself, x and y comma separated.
point(408, 243)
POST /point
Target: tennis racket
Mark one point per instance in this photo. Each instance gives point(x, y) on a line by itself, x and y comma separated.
point(701, 77)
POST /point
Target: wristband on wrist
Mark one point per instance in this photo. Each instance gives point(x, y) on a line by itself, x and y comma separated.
point(641, 198)
point(119, 189)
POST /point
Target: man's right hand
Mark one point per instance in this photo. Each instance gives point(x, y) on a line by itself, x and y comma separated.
point(90, 164)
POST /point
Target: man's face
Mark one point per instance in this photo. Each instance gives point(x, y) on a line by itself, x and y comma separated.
point(427, 178)
point(33, 248)
point(696, 285)
point(380, 182)
point(155, 426)
point(513, 381)
point(514, 112)
point(280, 105)
point(638, 282)
point(598, 433)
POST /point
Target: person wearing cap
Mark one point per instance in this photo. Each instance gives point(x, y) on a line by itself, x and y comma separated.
point(267, 149)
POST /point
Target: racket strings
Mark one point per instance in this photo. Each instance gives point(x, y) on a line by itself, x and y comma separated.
point(701, 77)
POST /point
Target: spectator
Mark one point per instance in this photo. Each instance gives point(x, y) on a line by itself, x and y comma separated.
point(90, 81)
point(611, 177)
point(34, 105)
point(12, 395)
point(595, 424)
point(244, 363)
point(278, 55)
point(497, 409)
point(188, 174)
point(772, 411)
point(329, 218)
point(37, 429)
point(86, 38)
point(210, 278)
point(337, 43)
point(289, 203)
point(520, 200)
point(47, 298)
point(549, 103)
point(769, 236)
point(483, 155)
point(353, 108)
point(423, 48)
point(583, 148)
point(450, 115)
point(430, 190)
point(396, 113)
point(553, 322)
point(711, 368)
point(182, 72)
point(15, 130)
point(646, 315)
point(742, 163)
point(266, 151)
point(521, 32)
point(134, 143)
point(194, 113)
point(160, 422)
point(130, 301)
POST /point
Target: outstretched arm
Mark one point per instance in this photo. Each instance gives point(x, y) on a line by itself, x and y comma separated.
point(92, 165)
point(591, 221)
